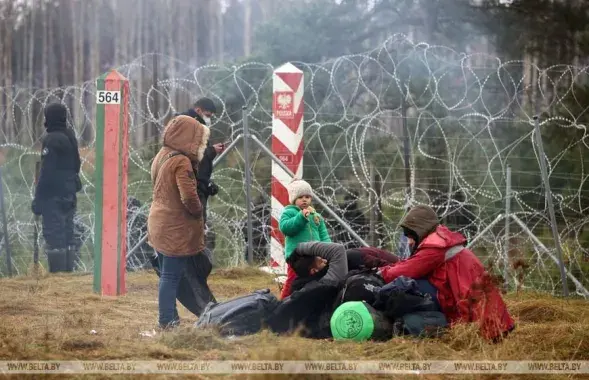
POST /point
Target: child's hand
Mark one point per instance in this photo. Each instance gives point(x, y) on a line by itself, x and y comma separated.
point(306, 212)
point(311, 209)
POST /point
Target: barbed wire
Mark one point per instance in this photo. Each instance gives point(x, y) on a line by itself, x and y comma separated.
point(465, 119)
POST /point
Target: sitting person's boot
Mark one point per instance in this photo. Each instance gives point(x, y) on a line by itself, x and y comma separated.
point(57, 259)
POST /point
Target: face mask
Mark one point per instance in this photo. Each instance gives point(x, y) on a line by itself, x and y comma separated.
point(207, 120)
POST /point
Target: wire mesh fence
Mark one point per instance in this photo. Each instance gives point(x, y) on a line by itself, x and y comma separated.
point(406, 123)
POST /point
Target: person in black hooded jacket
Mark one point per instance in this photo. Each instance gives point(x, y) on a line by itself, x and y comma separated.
point(202, 111)
point(55, 193)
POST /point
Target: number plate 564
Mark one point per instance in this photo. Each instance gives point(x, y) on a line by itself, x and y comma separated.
point(108, 97)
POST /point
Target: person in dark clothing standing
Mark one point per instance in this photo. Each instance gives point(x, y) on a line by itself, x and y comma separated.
point(261, 221)
point(350, 212)
point(355, 218)
point(58, 183)
point(202, 111)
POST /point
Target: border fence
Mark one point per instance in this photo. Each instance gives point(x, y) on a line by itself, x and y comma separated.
point(406, 123)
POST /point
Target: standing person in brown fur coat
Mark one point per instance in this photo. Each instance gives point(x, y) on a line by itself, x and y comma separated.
point(175, 225)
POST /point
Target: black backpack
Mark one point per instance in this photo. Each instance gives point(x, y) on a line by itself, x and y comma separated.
point(360, 285)
point(239, 316)
point(403, 296)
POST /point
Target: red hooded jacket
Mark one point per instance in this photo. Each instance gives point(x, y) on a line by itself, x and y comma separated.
point(466, 291)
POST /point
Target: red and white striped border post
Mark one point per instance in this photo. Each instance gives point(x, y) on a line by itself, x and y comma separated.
point(287, 144)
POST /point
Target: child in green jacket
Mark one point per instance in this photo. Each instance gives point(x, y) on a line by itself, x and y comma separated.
point(300, 223)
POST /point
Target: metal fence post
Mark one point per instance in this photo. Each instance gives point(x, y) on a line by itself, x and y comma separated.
point(37, 218)
point(507, 220)
point(5, 228)
point(544, 171)
point(248, 185)
point(580, 287)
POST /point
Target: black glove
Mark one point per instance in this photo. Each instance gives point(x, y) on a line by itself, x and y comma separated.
point(213, 189)
point(35, 207)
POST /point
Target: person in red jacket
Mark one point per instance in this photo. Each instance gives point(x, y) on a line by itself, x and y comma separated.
point(465, 290)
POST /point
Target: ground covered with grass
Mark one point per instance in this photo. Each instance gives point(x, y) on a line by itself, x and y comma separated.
point(57, 317)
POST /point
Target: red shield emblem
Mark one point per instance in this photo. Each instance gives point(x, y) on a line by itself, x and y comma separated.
point(284, 104)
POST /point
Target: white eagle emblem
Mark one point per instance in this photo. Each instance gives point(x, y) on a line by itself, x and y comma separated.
point(284, 101)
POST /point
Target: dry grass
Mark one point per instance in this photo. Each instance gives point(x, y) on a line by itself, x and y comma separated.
point(52, 317)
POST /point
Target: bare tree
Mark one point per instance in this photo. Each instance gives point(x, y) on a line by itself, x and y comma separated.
point(268, 9)
point(220, 33)
point(213, 27)
point(247, 28)
point(9, 12)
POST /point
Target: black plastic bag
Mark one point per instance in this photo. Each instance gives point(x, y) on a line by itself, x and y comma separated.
point(240, 316)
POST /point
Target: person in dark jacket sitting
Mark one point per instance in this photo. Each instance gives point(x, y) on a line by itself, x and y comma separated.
point(311, 305)
point(202, 111)
point(55, 193)
point(312, 259)
point(310, 269)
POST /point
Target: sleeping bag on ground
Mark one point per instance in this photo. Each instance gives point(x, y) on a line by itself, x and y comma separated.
point(359, 321)
point(239, 316)
point(309, 308)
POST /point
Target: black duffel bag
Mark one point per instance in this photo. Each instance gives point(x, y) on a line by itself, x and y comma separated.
point(240, 316)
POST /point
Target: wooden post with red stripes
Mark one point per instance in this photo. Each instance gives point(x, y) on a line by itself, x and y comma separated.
point(110, 202)
point(287, 145)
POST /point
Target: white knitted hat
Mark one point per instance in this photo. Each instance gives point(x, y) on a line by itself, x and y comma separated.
point(298, 188)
